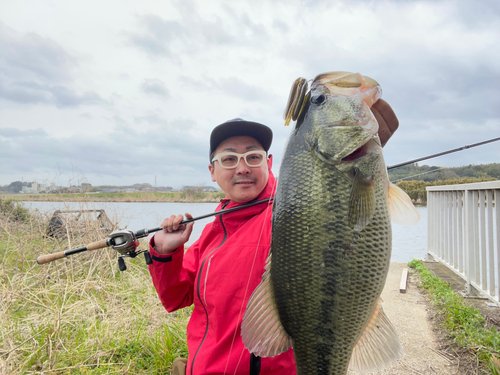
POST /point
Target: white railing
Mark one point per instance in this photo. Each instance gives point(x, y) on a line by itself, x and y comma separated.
point(463, 232)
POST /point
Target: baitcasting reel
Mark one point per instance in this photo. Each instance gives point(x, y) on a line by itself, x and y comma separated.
point(125, 242)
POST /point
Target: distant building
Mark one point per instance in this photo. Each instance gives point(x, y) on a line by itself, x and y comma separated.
point(30, 190)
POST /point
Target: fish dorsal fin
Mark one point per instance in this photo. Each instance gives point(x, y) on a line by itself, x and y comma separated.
point(402, 210)
point(261, 329)
point(378, 346)
point(361, 201)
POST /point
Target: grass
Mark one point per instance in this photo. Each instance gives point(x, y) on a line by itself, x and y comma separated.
point(79, 315)
point(211, 197)
point(463, 323)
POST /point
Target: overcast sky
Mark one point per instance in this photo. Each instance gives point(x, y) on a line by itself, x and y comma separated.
point(116, 92)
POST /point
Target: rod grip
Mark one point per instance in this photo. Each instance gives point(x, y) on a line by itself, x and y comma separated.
point(97, 245)
point(42, 259)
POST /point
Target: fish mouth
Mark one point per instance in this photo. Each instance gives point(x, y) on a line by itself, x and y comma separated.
point(357, 154)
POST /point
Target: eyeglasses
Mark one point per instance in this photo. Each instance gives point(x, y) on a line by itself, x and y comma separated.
point(230, 160)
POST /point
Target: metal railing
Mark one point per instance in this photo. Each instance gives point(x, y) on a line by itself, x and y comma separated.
point(463, 232)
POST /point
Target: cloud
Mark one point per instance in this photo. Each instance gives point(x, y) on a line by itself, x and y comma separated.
point(159, 35)
point(231, 86)
point(437, 62)
point(37, 70)
point(165, 151)
point(281, 26)
point(151, 118)
point(155, 87)
point(31, 92)
point(16, 133)
point(192, 33)
point(481, 14)
point(30, 56)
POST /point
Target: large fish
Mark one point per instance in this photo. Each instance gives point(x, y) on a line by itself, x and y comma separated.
point(331, 237)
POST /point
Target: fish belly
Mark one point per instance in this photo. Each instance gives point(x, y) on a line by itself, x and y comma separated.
point(325, 276)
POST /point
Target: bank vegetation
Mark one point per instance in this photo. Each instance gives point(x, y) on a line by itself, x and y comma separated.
point(181, 196)
point(78, 315)
point(417, 189)
point(463, 324)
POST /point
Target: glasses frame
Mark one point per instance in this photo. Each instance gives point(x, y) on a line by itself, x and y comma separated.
point(241, 156)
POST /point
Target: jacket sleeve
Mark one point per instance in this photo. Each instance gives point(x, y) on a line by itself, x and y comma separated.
point(173, 275)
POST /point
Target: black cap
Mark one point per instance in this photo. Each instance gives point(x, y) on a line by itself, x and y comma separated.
point(238, 126)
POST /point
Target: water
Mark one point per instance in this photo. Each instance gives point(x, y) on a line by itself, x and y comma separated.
point(134, 215)
point(408, 242)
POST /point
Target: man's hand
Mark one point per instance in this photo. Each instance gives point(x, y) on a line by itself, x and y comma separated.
point(173, 234)
point(387, 121)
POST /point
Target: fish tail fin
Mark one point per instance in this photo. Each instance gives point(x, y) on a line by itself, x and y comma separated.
point(402, 210)
point(261, 329)
point(378, 346)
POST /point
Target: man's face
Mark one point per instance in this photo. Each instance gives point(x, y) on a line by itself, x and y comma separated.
point(243, 183)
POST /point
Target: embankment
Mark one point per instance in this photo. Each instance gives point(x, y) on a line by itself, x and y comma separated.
point(208, 197)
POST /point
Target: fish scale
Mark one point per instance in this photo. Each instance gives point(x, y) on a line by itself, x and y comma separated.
point(331, 237)
point(323, 274)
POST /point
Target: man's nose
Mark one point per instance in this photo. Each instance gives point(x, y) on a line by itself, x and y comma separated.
point(242, 167)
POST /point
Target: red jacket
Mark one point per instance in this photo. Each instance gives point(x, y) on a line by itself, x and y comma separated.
point(218, 273)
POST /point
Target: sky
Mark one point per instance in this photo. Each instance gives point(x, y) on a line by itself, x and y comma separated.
point(122, 92)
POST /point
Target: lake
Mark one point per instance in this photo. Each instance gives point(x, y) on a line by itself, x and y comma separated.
point(408, 242)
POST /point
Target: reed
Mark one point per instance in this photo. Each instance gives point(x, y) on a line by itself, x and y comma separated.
point(79, 315)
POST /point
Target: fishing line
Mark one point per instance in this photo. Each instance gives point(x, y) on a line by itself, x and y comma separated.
point(444, 153)
point(415, 175)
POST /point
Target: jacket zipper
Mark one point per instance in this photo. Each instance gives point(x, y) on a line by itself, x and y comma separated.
point(198, 285)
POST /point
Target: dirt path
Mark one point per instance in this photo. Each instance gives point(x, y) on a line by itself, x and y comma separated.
point(408, 313)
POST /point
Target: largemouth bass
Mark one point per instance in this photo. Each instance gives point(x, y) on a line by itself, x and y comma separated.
point(331, 236)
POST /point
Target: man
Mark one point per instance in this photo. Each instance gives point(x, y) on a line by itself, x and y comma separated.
point(219, 271)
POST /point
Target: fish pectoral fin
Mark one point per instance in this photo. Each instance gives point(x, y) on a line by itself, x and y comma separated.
point(261, 329)
point(361, 201)
point(402, 210)
point(378, 346)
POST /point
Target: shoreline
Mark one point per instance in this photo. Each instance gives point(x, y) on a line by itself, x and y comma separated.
point(127, 198)
point(118, 197)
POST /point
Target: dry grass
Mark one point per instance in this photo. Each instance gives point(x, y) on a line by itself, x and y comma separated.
point(79, 315)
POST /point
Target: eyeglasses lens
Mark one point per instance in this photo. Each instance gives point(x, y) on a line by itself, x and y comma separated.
point(231, 160)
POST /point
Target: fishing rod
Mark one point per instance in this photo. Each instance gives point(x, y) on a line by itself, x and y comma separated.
point(125, 241)
point(444, 153)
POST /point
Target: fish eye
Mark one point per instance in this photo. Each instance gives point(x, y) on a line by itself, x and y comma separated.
point(318, 99)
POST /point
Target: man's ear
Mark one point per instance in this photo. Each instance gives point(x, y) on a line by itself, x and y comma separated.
point(212, 172)
point(270, 162)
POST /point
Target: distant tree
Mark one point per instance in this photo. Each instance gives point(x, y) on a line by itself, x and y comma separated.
point(15, 187)
point(435, 173)
point(416, 189)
